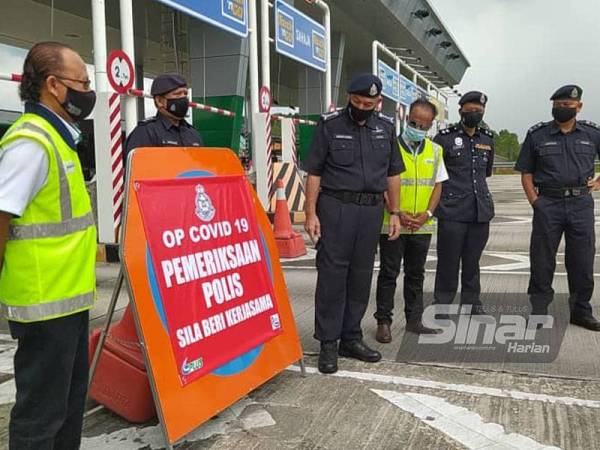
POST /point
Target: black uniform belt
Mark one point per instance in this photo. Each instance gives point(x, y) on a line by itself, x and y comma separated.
point(563, 192)
point(360, 198)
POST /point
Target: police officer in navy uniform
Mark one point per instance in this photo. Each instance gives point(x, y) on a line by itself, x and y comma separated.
point(466, 206)
point(169, 127)
point(557, 169)
point(353, 160)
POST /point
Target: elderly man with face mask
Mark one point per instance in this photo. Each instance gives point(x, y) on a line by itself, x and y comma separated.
point(557, 167)
point(353, 160)
point(47, 250)
point(421, 189)
point(169, 127)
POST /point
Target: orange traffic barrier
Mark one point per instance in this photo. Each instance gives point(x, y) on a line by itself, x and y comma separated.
point(289, 243)
point(121, 381)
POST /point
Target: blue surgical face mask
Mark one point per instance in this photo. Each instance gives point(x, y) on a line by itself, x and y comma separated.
point(414, 134)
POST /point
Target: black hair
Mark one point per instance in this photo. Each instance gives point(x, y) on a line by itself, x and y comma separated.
point(43, 59)
point(424, 103)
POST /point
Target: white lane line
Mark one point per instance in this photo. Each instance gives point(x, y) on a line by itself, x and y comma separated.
point(464, 388)
point(464, 426)
point(235, 418)
point(522, 262)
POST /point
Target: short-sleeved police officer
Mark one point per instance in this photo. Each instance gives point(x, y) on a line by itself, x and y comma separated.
point(353, 159)
point(466, 206)
point(169, 127)
point(557, 167)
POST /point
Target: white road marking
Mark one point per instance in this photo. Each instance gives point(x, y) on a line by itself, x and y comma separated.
point(464, 388)
point(522, 262)
point(464, 426)
point(233, 419)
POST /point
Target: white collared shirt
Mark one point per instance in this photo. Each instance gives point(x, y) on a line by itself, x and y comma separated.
point(24, 170)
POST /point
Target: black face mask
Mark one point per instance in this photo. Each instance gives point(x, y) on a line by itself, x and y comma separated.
point(562, 115)
point(471, 119)
point(79, 104)
point(360, 115)
point(178, 106)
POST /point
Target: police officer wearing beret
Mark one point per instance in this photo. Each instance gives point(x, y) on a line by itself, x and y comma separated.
point(466, 205)
point(169, 127)
point(353, 160)
point(557, 168)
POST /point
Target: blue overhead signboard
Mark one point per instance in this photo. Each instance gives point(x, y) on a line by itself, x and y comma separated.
point(390, 80)
point(409, 91)
point(229, 15)
point(299, 37)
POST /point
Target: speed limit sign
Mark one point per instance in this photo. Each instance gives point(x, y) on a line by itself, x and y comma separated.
point(120, 71)
point(264, 99)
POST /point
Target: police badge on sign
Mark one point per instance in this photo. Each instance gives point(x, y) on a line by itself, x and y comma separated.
point(204, 207)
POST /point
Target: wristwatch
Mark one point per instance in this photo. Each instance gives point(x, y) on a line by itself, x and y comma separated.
point(395, 213)
point(429, 214)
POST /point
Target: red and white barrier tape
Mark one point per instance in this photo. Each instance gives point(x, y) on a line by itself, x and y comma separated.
point(138, 93)
point(195, 105)
point(296, 120)
point(116, 156)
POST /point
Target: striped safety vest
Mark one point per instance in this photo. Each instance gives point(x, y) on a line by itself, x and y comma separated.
point(417, 181)
point(50, 256)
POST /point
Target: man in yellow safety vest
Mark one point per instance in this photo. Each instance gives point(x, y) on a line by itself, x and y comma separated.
point(47, 250)
point(420, 193)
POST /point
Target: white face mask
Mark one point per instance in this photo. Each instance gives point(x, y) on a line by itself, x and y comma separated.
point(414, 134)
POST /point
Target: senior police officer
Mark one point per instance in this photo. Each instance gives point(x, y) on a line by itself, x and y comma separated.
point(353, 159)
point(557, 168)
point(47, 250)
point(466, 205)
point(169, 127)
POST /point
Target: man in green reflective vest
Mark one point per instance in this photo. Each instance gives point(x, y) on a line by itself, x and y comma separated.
point(47, 250)
point(421, 187)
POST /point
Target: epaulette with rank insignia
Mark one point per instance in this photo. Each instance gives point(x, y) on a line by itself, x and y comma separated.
point(536, 127)
point(385, 117)
point(331, 115)
point(487, 132)
point(449, 130)
point(589, 123)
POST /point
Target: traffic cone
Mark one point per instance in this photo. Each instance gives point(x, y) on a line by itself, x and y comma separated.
point(120, 382)
point(289, 243)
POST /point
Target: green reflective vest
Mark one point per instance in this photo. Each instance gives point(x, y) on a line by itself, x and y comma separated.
point(49, 262)
point(417, 181)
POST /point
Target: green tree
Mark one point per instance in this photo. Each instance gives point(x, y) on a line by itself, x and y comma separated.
point(507, 144)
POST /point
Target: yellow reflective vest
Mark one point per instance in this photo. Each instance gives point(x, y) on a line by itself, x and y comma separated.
point(50, 256)
point(417, 181)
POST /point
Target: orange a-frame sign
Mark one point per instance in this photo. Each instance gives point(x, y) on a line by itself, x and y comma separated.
point(183, 407)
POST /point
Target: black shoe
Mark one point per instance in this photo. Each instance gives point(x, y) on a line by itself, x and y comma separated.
point(358, 350)
point(588, 322)
point(328, 357)
point(419, 328)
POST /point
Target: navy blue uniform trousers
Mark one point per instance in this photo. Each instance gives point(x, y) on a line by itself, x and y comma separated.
point(551, 218)
point(51, 375)
point(345, 258)
point(459, 243)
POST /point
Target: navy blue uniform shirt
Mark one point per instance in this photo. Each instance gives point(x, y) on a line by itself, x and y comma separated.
point(350, 157)
point(559, 160)
point(158, 131)
point(469, 161)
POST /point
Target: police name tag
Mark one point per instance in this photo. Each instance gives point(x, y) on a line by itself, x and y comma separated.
point(483, 147)
point(343, 136)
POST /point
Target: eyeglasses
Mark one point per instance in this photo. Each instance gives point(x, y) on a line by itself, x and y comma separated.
point(414, 124)
point(85, 83)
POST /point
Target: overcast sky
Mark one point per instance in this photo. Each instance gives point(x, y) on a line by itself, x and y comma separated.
point(521, 51)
